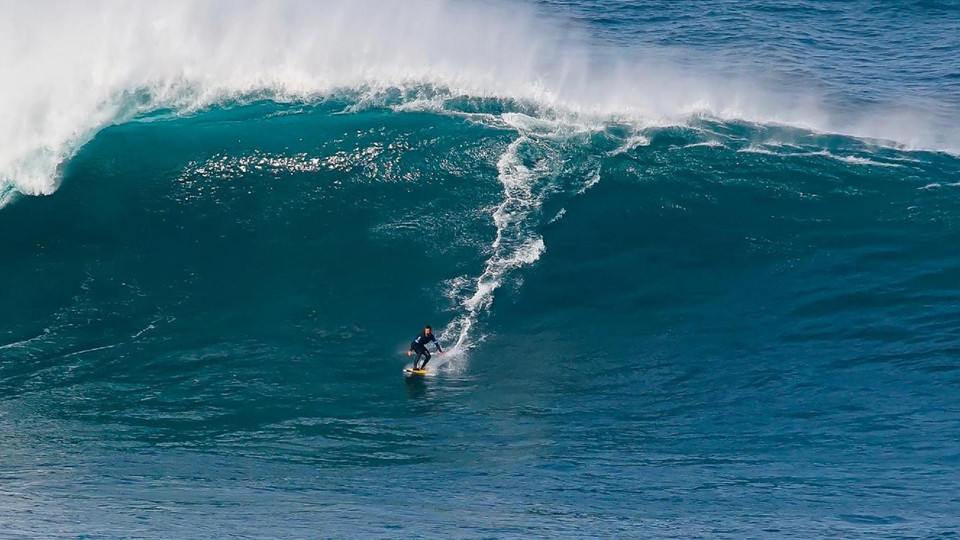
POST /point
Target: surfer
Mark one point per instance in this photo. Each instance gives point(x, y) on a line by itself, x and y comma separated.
point(419, 344)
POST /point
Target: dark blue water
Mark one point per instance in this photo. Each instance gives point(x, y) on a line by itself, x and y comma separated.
point(713, 328)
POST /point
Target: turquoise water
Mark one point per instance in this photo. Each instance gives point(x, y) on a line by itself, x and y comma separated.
point(723, 326)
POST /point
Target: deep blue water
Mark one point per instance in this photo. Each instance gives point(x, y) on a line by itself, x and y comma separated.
point(714, 328)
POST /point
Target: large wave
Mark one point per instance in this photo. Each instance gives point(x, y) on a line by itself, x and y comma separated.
point(72, 68)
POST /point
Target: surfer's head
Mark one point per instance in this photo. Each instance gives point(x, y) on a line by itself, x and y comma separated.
point(428, 329)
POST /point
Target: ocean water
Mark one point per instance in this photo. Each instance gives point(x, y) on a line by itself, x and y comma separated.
point(695, 266)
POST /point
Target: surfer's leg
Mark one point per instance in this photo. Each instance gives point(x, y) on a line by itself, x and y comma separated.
point(426, 359)
point(421, 351)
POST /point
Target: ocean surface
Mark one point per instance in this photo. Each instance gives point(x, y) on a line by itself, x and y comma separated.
point(696, 267)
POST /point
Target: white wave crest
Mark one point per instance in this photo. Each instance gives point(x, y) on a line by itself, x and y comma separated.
point(71, 68)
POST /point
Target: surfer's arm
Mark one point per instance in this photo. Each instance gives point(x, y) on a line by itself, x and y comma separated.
point(437, 343)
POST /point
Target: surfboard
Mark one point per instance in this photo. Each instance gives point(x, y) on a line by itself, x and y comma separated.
point(409, 371)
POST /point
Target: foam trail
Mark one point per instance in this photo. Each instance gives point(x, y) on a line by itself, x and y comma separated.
point(527, 182)
point(514, 245)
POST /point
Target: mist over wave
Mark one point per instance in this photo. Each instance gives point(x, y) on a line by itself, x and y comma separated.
point(70, 69)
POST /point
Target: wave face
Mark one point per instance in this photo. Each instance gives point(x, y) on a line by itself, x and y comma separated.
point(674, 305)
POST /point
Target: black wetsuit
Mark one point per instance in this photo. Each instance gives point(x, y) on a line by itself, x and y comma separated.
point(419, 345)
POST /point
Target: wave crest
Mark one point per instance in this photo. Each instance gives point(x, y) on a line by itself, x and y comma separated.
point(71, 69)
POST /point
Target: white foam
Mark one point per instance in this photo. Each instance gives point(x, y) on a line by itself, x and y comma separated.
point(515, 244)
point(753, 149)
point(632, 142)
point(707, 144)
point(71, 68)
point(592, 181)
point(851, 160)
point(855, 160)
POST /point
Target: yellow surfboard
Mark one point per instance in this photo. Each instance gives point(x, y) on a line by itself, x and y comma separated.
point(409, 371)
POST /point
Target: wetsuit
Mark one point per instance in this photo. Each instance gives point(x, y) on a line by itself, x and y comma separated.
point(419, 346)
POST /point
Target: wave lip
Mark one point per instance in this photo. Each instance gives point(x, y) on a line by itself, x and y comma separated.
point(72, 69)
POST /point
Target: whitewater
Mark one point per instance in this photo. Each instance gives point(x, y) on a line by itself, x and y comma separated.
point(66, 79)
